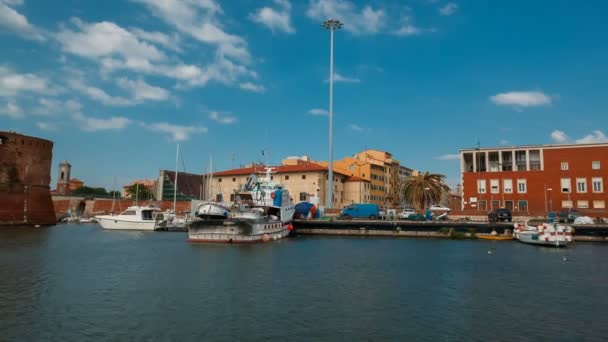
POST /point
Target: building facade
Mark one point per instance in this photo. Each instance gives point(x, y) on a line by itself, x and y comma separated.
point(306, 181)
point(537, 179)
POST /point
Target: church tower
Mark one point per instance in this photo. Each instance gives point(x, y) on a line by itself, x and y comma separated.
point(63, 182)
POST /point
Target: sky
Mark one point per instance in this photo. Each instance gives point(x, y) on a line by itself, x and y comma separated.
point(116, 85)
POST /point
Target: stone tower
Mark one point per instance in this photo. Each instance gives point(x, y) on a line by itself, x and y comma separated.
point(63, 181)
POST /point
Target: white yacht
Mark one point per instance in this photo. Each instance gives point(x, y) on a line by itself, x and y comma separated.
point(551, 235)
point(134, 218)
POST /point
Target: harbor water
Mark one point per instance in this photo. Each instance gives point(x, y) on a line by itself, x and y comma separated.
point(77, 282)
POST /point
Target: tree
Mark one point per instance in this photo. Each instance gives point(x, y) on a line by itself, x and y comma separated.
point(424, 189)
point(85, 190)
point(141, 192)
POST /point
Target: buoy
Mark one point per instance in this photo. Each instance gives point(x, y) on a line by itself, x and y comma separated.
point(265, 237)
point(290, 227)
point(490, 252)
point(565, 259)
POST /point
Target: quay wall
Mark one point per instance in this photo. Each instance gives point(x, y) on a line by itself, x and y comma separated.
point(433, 229)
point(86, 207)
point(25, 176)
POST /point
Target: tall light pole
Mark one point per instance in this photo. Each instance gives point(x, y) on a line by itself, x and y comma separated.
point(331, 25)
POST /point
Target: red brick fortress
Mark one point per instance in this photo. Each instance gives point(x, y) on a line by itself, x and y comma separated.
point(25, 175)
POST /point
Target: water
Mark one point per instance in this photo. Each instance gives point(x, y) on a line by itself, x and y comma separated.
point(79, 282)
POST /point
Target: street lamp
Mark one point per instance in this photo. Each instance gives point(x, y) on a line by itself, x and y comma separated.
point(331, 25)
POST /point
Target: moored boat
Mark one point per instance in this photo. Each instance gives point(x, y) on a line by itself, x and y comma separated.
point(211, 210)
point(264, 212)
point(551, 235)
point(134, 218)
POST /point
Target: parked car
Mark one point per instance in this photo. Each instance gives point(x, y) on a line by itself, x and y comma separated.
point(501, 214)
point(361, 210)
point(439, 207)
point(406, 212)
point(567, 215)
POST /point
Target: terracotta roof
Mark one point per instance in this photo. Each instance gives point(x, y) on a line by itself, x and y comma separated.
point(302, 167)
point(356, 179)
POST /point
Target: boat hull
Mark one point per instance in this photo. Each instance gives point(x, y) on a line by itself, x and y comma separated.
point(109, 222)
point(495, 237)
point(536, 239)
point(237, 231)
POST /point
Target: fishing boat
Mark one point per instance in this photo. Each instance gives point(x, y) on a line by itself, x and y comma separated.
point(552, 235)
point(134, 218)
point(264, 212)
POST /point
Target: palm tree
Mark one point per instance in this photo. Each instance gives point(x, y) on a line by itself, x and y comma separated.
point(424, 189)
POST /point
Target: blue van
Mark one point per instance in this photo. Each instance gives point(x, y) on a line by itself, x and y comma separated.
point(361, 210)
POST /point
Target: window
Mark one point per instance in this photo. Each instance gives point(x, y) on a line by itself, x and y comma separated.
point(494, 186)
point(232, 197)
point(581, 185)
point(564, 166)
point(219, 180)
point(595, 164)
point(304, 177)
point(495, 204)
point(482, 205)
point(507, 186)
point(599, 204)
point(481, 186)
point(286, 177)
point(566, 185)
point(521, 186)
point(582, 204)
point(233, 179)
point(598, 185)
point(303, 196)
point(523, 205)
point(219, 197)
point(566, 204)
point(509, 205)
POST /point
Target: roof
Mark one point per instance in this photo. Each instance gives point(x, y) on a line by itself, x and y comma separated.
point(301, 167)
point(356, 179)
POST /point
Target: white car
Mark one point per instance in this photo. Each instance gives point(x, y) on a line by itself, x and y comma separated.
point(405, 213)
point(439, 207)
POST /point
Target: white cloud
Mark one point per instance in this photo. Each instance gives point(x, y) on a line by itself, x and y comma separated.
point(408, 29)
point(170, 42)
point(344, 79)
point(12, 110)
point(106, 39)
point(449, 9)
point(177, 132)
point(256, 88)
point(90, 124)
point(503, 142)
point(449, 157)
point(46, 126)
point(199, 20)
point(143, 91)
point(356, 128)
point(17, 22)
point(12, 83)
point(318, 111)
point(359, 22)
point(559, 137)
point(596, 136)
point(99, 94)
point(521, 98)
point(222, 118)
point(276, 20)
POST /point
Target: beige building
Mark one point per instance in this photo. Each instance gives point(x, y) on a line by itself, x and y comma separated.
point(305, 180)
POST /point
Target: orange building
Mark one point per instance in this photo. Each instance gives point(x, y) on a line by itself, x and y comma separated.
point(75, 183)
point(533, 180)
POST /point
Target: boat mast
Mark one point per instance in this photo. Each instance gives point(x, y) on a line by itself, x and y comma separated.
point(175, 184)
point(113, 194)
point(210, 188)
point(136, 193)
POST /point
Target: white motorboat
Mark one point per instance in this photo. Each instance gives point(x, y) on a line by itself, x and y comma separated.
point(87, 220)
point(264, 213)
point(211, 210)
point(134, 218)
point(547, 234)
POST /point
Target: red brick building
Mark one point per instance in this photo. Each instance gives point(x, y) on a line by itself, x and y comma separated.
point(533, 180)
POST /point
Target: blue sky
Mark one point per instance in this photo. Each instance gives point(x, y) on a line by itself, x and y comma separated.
point(116, 84)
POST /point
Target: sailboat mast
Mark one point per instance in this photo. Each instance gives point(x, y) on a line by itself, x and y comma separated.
point(175, 185)
point(113, 193)
point(136, 193)
point(210, 177)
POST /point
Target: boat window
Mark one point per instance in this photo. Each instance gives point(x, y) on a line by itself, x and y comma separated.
point(147, 215)
point(128, 212)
